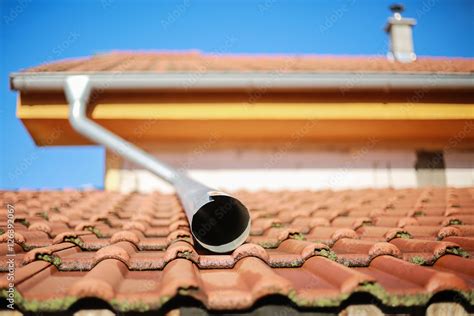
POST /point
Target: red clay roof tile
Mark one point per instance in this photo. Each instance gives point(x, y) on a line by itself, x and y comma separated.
point(166, 62)
point(137, 252)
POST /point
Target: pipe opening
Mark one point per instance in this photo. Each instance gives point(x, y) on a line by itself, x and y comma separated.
point(221, 221)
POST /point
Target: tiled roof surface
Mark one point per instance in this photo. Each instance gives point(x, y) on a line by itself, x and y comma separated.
point(163, 62)
point(314, 249)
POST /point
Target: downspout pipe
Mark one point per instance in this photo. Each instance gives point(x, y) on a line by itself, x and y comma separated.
point(218, 221)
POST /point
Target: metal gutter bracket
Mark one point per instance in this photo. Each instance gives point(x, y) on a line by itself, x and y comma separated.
point(218, 221)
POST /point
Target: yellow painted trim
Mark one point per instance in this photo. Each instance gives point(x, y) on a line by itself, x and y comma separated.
point(261, 111)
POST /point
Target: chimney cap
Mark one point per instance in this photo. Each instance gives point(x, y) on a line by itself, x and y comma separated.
point(397, 8)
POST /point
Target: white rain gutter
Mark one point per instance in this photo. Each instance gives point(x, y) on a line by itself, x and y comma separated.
point(188, 81)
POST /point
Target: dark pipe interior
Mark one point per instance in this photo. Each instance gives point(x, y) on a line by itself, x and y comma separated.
point(220, 221)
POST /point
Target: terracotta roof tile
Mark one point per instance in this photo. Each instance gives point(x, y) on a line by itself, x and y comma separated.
point(165, 62)
point(135, 252)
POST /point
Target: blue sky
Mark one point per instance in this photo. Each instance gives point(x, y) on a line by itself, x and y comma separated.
point(37, 31)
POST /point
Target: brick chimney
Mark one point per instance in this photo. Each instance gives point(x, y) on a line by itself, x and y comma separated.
point(400, 32)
